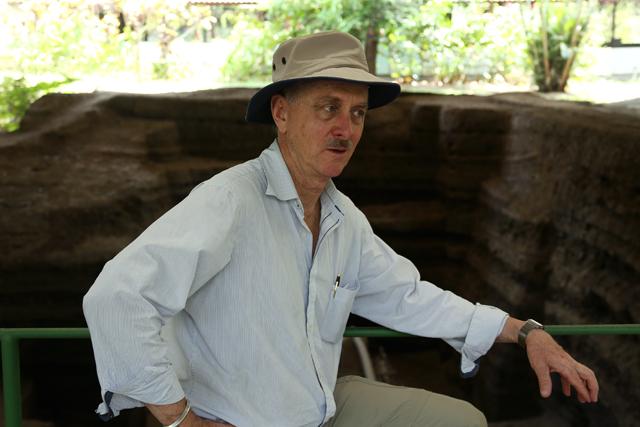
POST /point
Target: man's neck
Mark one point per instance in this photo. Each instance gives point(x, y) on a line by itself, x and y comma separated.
point(309, 188)
point(309, 194)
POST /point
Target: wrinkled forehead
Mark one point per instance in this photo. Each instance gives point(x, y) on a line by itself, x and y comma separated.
point(330, 88)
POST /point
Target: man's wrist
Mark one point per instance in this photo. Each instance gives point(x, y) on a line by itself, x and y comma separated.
point(509, 333)
point(167, 414)
point(528, 327)
point(181, 417)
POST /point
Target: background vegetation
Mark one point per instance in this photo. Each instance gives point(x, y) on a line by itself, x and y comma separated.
point(554, 33)
point(440, 42)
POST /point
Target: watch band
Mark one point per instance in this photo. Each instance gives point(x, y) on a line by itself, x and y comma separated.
point(528, 326)
point(182, 416)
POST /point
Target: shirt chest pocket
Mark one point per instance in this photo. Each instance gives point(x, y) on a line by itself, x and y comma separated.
point(337, 312)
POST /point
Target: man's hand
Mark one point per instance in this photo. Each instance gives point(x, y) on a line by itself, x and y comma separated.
point(546, 356)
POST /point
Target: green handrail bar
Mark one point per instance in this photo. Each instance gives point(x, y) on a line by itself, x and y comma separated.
point(619, 329)
point(10, 338)
point(11, 387)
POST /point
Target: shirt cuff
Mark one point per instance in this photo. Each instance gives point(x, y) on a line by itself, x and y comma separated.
point(112, 404)
point(159, 389)
point(486, 324)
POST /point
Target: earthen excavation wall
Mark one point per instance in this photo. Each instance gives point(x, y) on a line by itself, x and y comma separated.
point(511, 200)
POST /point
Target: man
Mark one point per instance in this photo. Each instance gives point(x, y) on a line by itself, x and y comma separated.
point(231, 307)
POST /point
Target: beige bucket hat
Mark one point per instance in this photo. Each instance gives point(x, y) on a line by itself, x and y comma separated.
point(329, 55)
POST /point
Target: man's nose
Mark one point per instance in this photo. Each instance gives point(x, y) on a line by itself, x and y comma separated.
point(343, 126)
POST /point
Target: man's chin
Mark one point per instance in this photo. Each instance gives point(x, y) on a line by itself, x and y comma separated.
point(335, 167)
point(334, 172)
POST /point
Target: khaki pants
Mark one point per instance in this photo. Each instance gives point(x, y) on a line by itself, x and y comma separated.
point(362, 402)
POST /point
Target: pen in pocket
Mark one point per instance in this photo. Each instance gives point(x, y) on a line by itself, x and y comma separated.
point(336, 286)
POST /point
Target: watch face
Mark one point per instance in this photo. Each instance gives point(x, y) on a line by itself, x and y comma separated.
point(534, 324)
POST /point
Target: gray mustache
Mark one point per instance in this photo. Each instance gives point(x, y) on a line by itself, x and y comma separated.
point(340, 143)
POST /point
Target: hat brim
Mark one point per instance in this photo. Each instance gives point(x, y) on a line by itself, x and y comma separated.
point(381, 92)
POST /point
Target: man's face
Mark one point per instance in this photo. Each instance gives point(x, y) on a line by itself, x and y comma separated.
point(319, 126)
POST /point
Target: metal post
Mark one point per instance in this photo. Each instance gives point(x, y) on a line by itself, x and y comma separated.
point(11, 381)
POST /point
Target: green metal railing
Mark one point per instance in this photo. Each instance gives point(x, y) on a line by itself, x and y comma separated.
point(629, 329)
point(11, 388)
point(10, 339)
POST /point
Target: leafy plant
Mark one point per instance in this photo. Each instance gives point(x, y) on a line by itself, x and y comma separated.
point(163, 22)
point(440, 39)
point(65, 38)
point(256, 33)
point(554, 33)
point(78, 38)
point(16, 95)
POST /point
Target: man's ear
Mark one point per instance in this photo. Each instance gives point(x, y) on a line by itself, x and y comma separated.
point(279, 110)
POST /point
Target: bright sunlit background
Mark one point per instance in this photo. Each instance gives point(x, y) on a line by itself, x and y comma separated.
point(586, 50)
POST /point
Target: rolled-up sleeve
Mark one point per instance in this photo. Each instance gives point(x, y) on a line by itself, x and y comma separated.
point(146, 284)
point(486, 324)
point(393, 295)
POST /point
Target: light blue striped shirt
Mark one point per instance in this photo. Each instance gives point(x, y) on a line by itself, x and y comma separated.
point(221, 300)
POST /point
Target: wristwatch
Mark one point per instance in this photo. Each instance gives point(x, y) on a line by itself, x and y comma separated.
point(528, 326)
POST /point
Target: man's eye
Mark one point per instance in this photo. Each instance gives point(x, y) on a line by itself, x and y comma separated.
point(359, 114)
point(330, 108)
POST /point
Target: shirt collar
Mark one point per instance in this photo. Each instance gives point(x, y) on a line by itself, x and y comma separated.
point(279, 181)
point(330, 195)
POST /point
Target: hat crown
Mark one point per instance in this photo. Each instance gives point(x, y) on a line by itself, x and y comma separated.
point(310, 55)
point(331, 56)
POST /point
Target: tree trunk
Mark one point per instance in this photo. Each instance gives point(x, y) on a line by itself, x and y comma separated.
point(371, 47)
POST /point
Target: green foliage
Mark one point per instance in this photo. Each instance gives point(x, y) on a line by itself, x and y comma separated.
point(65, 38)
point(445, 41)
point(47, 41)
point(554, 35)
point(78, 38)
point(438, 39)
point(451, 41)
point(163, 22)
point(15, 97)
point(256, 34)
